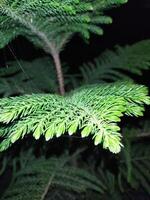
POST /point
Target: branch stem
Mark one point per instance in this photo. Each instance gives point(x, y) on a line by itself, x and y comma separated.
point(48, 45)
point(60, 77)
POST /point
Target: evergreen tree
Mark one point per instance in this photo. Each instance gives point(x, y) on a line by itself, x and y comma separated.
point(93, 106)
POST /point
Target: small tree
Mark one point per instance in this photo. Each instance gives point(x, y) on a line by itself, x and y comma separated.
point(93, 108)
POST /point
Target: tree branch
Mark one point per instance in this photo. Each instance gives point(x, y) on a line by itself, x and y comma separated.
point(60, 77)
point(48, 47)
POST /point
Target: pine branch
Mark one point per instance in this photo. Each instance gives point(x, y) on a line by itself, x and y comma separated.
point(94, 110)
point(60, 75)
point(53, 20)
point(40, 177)
point(49, 24)
point(48, 45)
point(118, 65)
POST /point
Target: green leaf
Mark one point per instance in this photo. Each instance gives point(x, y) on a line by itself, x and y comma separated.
point(50, 132)
point(60, 129)
point(73, 127)
point(98, 138)
point(86, 131)
point(38, 131)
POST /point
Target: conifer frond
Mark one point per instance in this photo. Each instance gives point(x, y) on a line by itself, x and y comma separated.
point(109, 180)
point(39, 178)
point(53, 21)
point(134, 166)
point(94, 110)
point(118, 65)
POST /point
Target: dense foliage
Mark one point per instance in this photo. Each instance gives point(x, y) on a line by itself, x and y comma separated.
point(96, 104)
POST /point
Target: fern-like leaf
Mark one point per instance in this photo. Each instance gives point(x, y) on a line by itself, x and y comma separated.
point(39, 178)
point(118, 65)
point(94, 110)
point(50, 23)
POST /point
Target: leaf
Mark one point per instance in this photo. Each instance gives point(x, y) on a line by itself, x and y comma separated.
point(60, 130)
point(50, 132)
point(86, 131)
point(73, 127)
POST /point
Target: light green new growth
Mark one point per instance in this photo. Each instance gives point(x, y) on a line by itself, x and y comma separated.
point(94, 110)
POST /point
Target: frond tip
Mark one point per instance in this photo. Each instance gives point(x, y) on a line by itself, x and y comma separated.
point(93, 110)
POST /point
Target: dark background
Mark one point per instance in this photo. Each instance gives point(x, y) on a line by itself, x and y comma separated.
point(131, 23)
